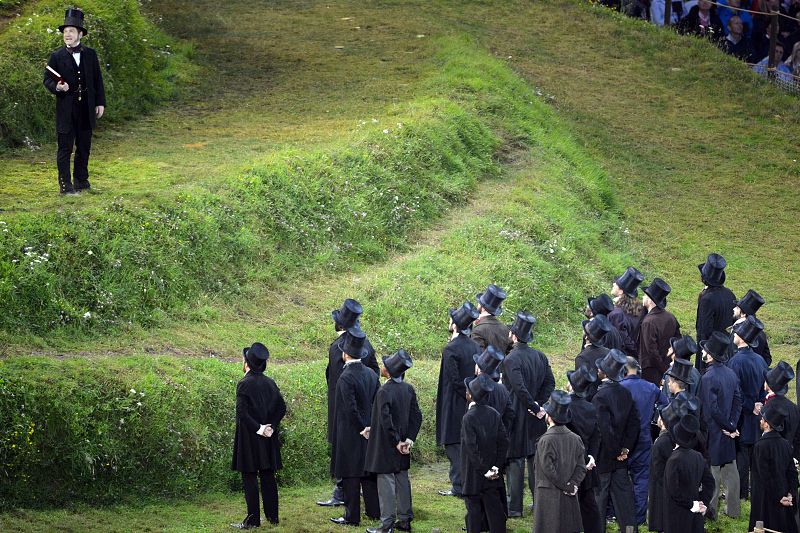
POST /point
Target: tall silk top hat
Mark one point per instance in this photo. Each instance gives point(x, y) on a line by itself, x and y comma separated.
point(464, 316)
point(489, 361)
point(612, 364)
point(683, 347)
point(685, 431)
point(717, 346)
point(658, 291)
point(347, 316)
point(750, 303)
point(775, 417)
point(629, 282)
point(523, 326)
point(601, 305)
point(492, 299)
point(778, 378)
point(712, 271)
point(255, 354)
point(353, 343)
point(581, 380)
point(680, 406)
point(73, 17)
point(397, 363)
point(748, 330)
point(558, 407)
point(681, 370)
point(597, 328)
point(479, 386)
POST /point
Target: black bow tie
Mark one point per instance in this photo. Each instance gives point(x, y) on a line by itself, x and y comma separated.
point(75, 49)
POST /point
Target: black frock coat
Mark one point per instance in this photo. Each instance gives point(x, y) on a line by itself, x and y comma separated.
point(395, 418)
point(334, 370)
point(489, 330)
point(584, 424)
point(451, 402)
point(529, 379)
point(588, 358)
point(687, 478)
point(628, 328)
point(62, 62)
point(714, 313)
point(500, 400)
point(618, 420)
point(258, 401)
point(484, 444)
point(791, 424)
point(355, 392)
point(773, 476)
point(656, 503)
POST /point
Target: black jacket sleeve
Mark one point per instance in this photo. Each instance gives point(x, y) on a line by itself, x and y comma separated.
point(414, 418)
point(100, 91)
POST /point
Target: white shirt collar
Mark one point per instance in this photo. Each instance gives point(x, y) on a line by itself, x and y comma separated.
point(471, 405)
point(352, 361)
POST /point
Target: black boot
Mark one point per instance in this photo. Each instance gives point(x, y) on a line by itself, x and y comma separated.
point(248, 523)
point(65, 185)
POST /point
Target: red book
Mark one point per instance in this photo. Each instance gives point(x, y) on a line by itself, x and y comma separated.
point(55, 76)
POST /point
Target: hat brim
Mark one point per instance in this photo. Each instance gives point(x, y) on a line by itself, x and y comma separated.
point(81, 28)
point(335, 317)
point(581, 394)
point(690, 381)
point(566, 419)
point(526, 339)
point(466, 330)
point(496, 311)
point(661, 304)
point(493, 375)
point(362, 352)
point(721, 358)
point(719, 281)
point(599, 364)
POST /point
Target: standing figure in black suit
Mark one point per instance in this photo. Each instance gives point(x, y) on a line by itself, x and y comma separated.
point(594, 331)
point(499, 398)
point(256, 445)
point(451, 404)
point(484, 446)
point(750, 303)
point(345, 317)
point(80, 101)
point(777, 386)
point(396, 420)
point(355, 392)
point(715, 303)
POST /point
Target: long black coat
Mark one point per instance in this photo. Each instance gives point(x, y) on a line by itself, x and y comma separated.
point(258, 401)
point(355, 392)
point(395, 418)
point(763, 348)
point(62, 62)
point(687, 478)
point(500, 400)
point(528, 377)
point(656, 499)
point(628, 328)
point(657, 328)
point(451, 401)
point(584, 424)
point(773, 476)
point(588, 357)
point(334, 370)
point(489, 330)
point(791, 425)
point(618, 421)
point(714, 313)
point(484, 444)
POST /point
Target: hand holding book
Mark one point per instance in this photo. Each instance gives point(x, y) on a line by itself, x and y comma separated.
point(61, 85)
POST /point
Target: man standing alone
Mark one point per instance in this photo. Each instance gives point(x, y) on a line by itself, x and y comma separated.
point(74, 76)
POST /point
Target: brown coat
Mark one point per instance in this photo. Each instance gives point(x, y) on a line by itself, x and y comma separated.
point(489, 330)
point(658, 327)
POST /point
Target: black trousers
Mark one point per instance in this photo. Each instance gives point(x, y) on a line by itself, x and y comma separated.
point(269, 493)
point(488, 506)
point(744, 453)
point(79, 138)
point(352, 498)
point(590, 513)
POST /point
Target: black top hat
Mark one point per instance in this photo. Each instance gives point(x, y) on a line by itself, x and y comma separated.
point(685, 432)
point(492, 299)
point(558, 407)
point(683, 347)
point(629, 281)
point(778, 378)
point(712, 271)
point(717, 346)
point(597, 328)
point(488, 361)
point(658, 291)
point(750, 303)
point(748, 330)
point(348, 315)
point(681, 370)
point(353, 343)
point(581, 380)
point(601, 305)
point(681, 405)
point(612, 364)
point(256, 355)
point(397, 363)
point(479, 386)
point(464, 316)
point(522, 326)
point(73, 17)
point(775, 416)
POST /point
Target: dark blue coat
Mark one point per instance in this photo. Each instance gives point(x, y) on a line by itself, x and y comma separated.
point(750, 368)
point(721, 400)
point(645, 397)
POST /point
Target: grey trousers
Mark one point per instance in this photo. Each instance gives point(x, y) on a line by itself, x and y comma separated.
point(453, 452)
point(729, 475)
point(515, 482)
point(394, 493)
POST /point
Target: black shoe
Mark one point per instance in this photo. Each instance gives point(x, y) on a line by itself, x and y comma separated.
point(448, 492)
point(246, 524)
point(514, 514)
point(82, 185)
point(380, 530)
point(333, 502)
point(342, 521)
point(402, 526)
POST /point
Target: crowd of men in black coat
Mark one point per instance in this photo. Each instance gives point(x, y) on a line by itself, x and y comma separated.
point(660, 438)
